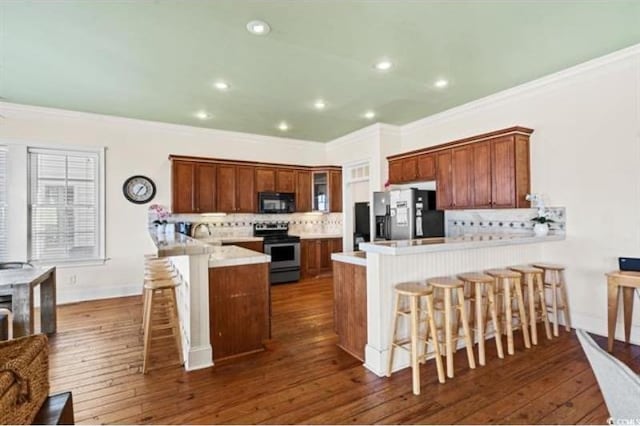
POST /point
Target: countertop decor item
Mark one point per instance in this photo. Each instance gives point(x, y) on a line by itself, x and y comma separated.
point(139, 189)
point(542, 221)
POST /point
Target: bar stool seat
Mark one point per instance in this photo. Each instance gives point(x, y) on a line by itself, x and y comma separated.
point(480, 281)
point(449, 285)
point(415, 292)
point(511, 280)
point(555, 282)
point(549, 266)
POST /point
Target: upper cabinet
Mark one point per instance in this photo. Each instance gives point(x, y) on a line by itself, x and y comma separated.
point(485, 171)
point(203, 185)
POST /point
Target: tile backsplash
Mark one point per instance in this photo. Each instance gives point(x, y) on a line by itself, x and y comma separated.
point(500, 221)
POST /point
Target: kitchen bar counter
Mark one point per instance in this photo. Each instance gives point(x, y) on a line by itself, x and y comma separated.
point(235, 256)
point(311, 236)
point(352, 257)
point(178, 245)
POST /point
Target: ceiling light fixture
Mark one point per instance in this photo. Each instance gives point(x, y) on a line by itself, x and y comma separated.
point(258, 27)
point(320, 104)
point(441, 83)
point(221, 85)
point(283, 126)
point(203, 115)
point(369, 115)
point(384, 65)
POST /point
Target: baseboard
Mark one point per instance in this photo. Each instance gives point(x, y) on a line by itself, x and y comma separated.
point(74, 295)
point(597, 325)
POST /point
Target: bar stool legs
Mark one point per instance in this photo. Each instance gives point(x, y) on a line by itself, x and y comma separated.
point(554, 280)
point(532, 278)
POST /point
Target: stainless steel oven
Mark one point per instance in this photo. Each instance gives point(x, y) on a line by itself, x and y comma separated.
point(284, 250)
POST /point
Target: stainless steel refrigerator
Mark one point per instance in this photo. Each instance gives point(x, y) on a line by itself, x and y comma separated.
point(407, 214)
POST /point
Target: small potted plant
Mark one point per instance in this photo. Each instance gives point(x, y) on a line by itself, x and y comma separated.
point(542, 221)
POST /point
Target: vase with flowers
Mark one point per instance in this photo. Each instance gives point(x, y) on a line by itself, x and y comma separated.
point(158, 216)
point(542, 221)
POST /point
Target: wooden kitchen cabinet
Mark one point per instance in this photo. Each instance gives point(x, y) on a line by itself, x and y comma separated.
point(193, 187)
point(315, 257)
point(226, 185)
point(206, 188)
point(235, 189)
point(335, 191)
point(503, 181)
point(350, 307)
point(444, 187)
point(265, 180)
point(410, 169)
point(426, 167)
point(462, 177)
point(246, 196)
point(303, 191)
point(285, 180)
point(395, 171)
point(481, 171)
point(239, 305)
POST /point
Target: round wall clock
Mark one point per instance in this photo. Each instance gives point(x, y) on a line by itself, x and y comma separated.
point(139, 189)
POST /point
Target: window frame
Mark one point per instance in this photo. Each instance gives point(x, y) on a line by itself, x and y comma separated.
point(5, 207)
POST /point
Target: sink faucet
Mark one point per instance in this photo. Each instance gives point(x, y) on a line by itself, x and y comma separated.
point(194, 230)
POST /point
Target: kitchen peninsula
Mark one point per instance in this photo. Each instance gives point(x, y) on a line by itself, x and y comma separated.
point(391, 262)
point(223, 301)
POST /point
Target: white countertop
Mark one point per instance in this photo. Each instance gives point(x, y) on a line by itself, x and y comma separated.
point(235, 256)
point(229, 240)
point(178, 245)
point(353, 257)
point(425, 245)
point(310, 236)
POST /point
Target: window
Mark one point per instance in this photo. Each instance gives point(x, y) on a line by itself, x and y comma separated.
point(4, 252)
point(65, 206)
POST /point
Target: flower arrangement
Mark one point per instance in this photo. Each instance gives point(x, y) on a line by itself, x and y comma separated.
point(158, 214)
point(543, 217)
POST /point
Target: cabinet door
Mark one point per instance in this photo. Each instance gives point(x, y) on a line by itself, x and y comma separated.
point(410, 169)
point(335, 191)
point(336, 245)
point(303, 191)
point(482, 175)
point(503, 177)
point(205, 188)
point(265, 180)
point(325, 255)
point(427, 167)
point(246, 196)
point(444, 195)
point(285, 180)
point(395, 171)
point(182, 187)
point(310, 258)
point(226, 188)
point(462, 177)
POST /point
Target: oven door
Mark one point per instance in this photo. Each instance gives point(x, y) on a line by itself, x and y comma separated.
point(283, 255)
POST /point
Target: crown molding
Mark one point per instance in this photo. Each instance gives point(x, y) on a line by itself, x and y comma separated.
point(6, 108)
point(523, 89)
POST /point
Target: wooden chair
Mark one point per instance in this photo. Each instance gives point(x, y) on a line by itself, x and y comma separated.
point(483, 288)
point(554, 280)
point(415, 292)
point(535, 300)
point(510, 283)
point(445, 305)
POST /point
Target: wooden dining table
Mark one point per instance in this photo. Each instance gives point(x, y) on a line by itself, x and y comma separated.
point(20, 285)
point(628, 282)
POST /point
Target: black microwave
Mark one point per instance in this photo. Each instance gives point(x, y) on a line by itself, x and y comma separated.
point(276, 202)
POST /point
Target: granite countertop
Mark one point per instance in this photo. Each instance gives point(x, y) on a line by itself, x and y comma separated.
point(226, 240)
point(311, 236)
point(235, 256)
point(353, 257)
point(178, 245)
point(425, 245)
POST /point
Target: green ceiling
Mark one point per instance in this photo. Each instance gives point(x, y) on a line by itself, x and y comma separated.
point(157, 60)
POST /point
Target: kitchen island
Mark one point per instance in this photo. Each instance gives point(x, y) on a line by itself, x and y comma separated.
point(212, 275)
point(391, 262)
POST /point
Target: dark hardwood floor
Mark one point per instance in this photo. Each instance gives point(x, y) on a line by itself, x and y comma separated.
point(303, 377)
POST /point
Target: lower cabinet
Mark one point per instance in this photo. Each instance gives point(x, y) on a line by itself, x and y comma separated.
point(350, 307)
point(239, 309)
point(315, 256)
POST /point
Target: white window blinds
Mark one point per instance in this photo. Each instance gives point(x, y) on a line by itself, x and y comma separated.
point(64, 200)
point(4, 252)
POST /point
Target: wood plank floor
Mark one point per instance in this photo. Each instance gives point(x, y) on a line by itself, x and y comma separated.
point(303, 377)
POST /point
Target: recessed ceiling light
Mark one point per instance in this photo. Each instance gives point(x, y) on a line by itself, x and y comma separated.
point(441, 83)
point(384, 65)
point(283, 126)
point(221, 85)
point(369, 115)
point(319, 104)
point(258, 27)
point(203, 115)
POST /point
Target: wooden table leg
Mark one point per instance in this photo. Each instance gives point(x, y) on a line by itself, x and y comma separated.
point(22, 307)
point(48, 305)
point(612, 310)
point(627, 297)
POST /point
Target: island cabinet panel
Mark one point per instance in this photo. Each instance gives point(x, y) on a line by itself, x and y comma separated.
point(285, 180)
point(426, 167)
point(395, 171)
point(335, 191)
point(481, 159)
point(246, 196)
point(239, 309)
point(350, 307)
point(444, 187)
point(503, 179)
point(315, 256)
point(303, 191)
point(205, 188)
point(226, 197)
point(265, 180)
point(183, 187)
point(462, 178)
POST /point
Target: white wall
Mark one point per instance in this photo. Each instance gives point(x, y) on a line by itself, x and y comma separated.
point(134, 147)
point(585, 155)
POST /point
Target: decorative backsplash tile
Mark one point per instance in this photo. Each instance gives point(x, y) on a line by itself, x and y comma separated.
point(500, 221)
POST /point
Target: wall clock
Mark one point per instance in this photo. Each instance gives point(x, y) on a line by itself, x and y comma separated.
point(139, 189)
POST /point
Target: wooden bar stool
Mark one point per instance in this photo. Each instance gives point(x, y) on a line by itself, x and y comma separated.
point(511, 283)
point(415, 291)
point(554, 280)
point(484, 297)
point(532, 278)
point(156, 289)
point(447, 285)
